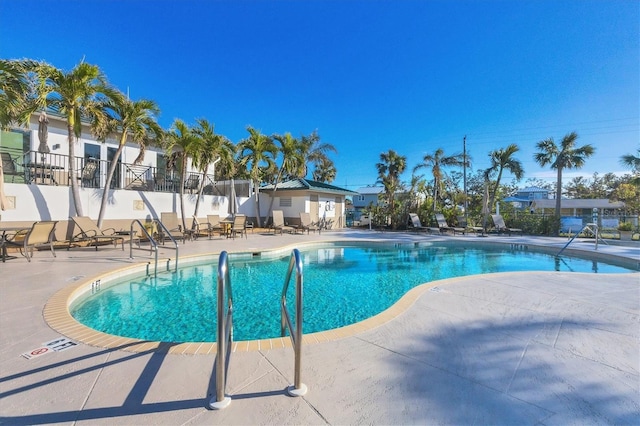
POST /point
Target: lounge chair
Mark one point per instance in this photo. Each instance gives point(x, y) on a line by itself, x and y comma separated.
point(462, 222)
point(444, 226)
point(239, 226)
point(89, 232)
point(416, 225)
point(306, 224)
point(40, 234)
point(170, 228)
point(278, 223)
point(501, 227)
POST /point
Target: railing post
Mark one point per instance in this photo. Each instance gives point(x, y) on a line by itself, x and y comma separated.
point(225, 326)
point(298, 388)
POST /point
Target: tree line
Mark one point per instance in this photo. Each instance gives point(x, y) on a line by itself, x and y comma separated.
point(443, 191)
point(84, 95)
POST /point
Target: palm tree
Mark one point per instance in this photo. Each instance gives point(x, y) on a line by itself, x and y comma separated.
point(76, 95)
point(315, 152)
point(565, 156)
point(292, 162)
point(325, 171)
point(437, 161)
point(182, 143)
point(212, 147)
point(633, 162)
point(131, 120)
point(502, 159)
point(390, 167)
point(257, 154)
point(18, 91)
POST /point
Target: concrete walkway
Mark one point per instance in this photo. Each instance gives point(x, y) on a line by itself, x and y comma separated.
point(513, 348)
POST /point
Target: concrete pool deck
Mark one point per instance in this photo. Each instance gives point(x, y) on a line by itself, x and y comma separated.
point(510, 348)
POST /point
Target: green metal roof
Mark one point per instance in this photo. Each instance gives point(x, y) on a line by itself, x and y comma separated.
point(307, 185)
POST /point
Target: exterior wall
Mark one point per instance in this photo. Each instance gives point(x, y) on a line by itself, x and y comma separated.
point(327, 207)
point(47, 202)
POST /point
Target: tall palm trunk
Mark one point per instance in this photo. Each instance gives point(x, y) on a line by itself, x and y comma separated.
point(75, 190)
point(257, 204)
point(110, 173)
point(495, 191)
point(200, 189)
point(558, 203)
point(183, 178)
point(273, 196)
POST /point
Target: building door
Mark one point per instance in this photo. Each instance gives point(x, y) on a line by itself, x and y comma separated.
point(313, 206)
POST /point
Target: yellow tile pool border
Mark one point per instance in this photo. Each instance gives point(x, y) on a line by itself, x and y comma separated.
point(56, 312)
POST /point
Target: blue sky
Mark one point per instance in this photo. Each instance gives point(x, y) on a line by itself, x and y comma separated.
point(369, 76)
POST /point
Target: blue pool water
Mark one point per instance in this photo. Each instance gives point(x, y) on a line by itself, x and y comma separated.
point(343, 284)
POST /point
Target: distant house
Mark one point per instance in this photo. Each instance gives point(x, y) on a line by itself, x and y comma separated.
point(324, 202)
point(525, 196)
point(366, 196)
point(540, 200)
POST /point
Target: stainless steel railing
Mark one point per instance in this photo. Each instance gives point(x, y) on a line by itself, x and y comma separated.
point(225, 331)
point(165, 233)
point(153, 244)
point(298, 388)
point(593, 229)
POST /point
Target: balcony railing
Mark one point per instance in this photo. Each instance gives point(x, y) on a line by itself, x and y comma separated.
point(54, 169)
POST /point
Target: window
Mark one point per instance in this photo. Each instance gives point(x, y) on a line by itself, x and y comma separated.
point(285, 201)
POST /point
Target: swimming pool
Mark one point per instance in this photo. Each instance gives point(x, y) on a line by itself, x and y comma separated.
point(343, 284)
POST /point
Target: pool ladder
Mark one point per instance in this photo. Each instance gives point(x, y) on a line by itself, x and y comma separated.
point(225, 327)
point(154, 244)
point(592, 228)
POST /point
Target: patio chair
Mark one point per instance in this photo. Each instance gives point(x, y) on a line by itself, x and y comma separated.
point(9, 166)
point(463, 224)
point(89, 174)
point(306, 224)
point(238, 226)
point(40, 234)
point(192, 183)
point(213, 224)
point(444, 226)
point(501, 227)
point(278, 223)
point(200, 229)
point(89, 232)
point(169, 220)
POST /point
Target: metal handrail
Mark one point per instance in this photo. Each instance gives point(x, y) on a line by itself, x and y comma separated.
point(298, 388)
point(225, 331)
point(591, 227)
point(152, 242)
point(166, 233)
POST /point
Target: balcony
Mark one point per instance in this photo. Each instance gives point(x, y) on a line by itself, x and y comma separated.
point(38, 168)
